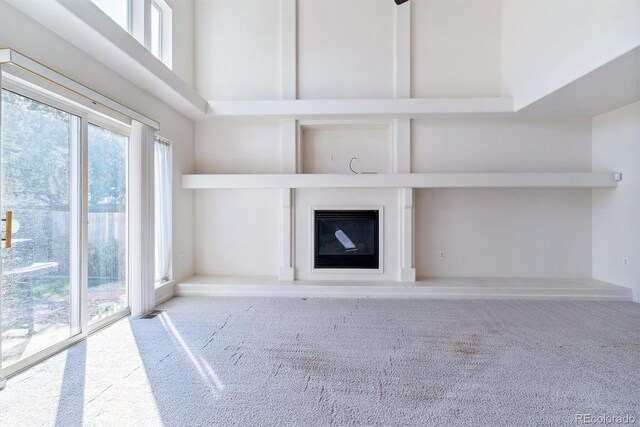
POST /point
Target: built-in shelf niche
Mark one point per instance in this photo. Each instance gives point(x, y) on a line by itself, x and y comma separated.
point(327, 148)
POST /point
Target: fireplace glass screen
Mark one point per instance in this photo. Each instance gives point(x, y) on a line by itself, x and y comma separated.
point(346, 239)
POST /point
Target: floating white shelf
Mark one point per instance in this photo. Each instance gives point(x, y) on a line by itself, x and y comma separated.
point(413, 180)
point(411, 107)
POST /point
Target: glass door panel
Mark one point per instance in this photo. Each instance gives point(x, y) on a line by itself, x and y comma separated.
point(107, 230)
point(40, 287)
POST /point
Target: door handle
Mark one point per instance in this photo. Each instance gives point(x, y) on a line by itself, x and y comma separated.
point(7, 228)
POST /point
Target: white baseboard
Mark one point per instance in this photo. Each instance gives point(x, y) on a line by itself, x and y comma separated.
point(3, 383)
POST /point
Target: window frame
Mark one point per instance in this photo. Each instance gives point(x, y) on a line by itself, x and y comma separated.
point(160, 35)
point(36, 88)
point(129, 28)
point(139, 19)
point(124, 130)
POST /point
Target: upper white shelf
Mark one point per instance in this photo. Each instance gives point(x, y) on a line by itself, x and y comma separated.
point(309, 108)
point(412, 180)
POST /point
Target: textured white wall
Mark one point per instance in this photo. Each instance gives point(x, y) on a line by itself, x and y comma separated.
point(238, 147)
point(616, 234)
point(549, 43)
point(502, 232)
point(370, 145)
point(237, 232)
point(501, 145)
point(238, 49)
point(23, 34)
point(183, 43)
point(345, 49)
point(456, 48)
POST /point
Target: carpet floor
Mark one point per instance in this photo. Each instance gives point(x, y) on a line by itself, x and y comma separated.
point(374, 362)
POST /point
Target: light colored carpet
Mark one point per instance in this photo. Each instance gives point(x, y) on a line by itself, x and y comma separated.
point(286, 361)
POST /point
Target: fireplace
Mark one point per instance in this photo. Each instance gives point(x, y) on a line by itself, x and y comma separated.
point(346, 239)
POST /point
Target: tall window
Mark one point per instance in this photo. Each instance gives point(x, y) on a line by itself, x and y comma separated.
point(39, 264)
point(118, 10)
point(107, 230)
point(64, 174)
point(162, 197)
point(149, 21)
point(156, 30)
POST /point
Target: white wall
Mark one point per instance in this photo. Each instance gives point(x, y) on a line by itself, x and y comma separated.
point(459, 48)
point(183, 43)
point(502, 232)
point(238, 49)
point(501, 145)
point(456, 48)
point(237, 232)
point(23, 34)
point(345, 49)
point(238, 146)
point(331, 150)
point(546, 44)
point(616, 234)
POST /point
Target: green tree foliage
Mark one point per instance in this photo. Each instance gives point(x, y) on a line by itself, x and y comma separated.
point(107, 170)
point(37, 164)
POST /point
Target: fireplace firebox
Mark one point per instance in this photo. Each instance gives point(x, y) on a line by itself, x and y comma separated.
point(346, 239)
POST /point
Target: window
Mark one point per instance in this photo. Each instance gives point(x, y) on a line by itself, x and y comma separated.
point(118, 10)
point(107, 230)
point(150, 22)
point(162, 185)
point(40, 280)
point(156, 30)
point(51, 293)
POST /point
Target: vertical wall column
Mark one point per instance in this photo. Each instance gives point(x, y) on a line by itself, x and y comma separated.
point(289, 49)
point(286, 263)
point(407, 271)
point(289, 136)
point(287, 199)
point(141, 220)
point(402, 60)
point(401, 146)
point(402, 139)
point(402, 164)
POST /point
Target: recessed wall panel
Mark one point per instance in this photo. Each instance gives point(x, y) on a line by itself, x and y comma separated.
point(455, 48)
point(238, 49)
point(345, 49)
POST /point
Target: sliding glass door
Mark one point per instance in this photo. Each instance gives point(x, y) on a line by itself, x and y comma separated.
point(40, 202)
point(64, 199)
point(107, 230)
